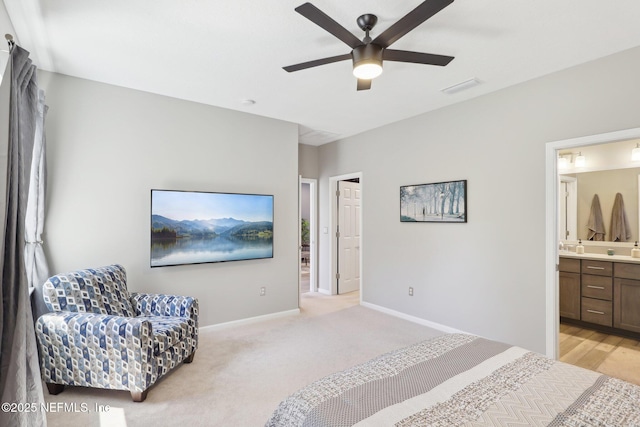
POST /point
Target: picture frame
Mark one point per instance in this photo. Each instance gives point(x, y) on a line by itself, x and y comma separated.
point(434, 202)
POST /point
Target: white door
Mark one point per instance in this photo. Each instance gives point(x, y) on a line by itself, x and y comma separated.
point(348, 237)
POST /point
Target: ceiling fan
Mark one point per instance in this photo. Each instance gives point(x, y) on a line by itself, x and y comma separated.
point(367, 54)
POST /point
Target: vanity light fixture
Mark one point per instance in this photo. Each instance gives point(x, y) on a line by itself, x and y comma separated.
point(581, 160)
point(635, 153)
point(563, 163)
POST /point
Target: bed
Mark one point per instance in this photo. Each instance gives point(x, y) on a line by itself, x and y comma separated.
point(462, 380)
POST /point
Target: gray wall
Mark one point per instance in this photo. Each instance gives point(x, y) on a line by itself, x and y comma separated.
point(487, 276)
point(108, 146)
point(308, 161)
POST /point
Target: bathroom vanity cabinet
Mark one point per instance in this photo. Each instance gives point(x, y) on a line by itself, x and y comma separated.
point(626, 301)
point(601, 293)
point(570, 288)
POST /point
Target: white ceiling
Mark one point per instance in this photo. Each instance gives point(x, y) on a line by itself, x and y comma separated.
point(220, 52)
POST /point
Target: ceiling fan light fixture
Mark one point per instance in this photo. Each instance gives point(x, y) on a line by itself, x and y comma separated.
point(367, 61)
point(367, 71)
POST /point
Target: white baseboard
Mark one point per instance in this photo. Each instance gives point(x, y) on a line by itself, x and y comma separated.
point(324, 291)
point(250, 320)
point(413, 319)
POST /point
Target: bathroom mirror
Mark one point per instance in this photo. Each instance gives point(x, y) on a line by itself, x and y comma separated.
point(604, 169)
point(576, 197)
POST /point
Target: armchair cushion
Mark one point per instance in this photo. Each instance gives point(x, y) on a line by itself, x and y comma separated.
point(101, 290)
point(162, 310)
point(95, 350)
point(169, 332)
point(164, 305)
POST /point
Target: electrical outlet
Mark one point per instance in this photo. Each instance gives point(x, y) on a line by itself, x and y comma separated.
point(263, 291)
point(410, 291)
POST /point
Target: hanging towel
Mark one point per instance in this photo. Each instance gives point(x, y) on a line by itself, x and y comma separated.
point(595, 223)
point(620, 230)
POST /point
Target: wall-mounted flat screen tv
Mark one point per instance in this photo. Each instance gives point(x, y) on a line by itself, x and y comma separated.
point(195, 227)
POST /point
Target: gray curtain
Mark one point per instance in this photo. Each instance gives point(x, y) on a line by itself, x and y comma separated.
point(19, 369)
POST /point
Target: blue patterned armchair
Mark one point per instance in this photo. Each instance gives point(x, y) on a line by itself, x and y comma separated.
point(99, 335)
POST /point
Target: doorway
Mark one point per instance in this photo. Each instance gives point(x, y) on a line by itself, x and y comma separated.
point(552, 184)
point(346, 207)
point(308, 231)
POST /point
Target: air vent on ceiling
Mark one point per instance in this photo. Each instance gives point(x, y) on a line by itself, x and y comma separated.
point(310, 136)
point(459, 87)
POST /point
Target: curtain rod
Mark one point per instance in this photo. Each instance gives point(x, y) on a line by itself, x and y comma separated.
point(10, 41)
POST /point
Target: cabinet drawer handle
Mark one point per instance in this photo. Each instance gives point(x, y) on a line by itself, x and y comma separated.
point(595, 268)
point(595, 287)
point(595, 312)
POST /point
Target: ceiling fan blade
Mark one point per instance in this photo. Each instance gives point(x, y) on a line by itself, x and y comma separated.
point(410, 21)
point(315, 63)
point(415, 57)
point(364, 84)
point(323, 20)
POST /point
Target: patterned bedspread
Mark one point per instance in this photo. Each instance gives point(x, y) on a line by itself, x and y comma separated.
point(462, 380)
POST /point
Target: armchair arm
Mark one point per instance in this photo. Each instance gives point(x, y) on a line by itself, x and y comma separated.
point(165, 305)
point(91, 349)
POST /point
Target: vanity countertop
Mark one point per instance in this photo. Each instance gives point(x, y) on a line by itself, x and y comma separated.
point(600, 257)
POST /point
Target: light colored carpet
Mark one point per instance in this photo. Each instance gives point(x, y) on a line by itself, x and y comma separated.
point(241, 373)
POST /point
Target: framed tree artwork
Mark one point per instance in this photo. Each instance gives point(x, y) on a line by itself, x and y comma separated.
point(437, 202)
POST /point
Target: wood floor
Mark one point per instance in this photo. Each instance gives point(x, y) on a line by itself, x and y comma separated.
point(608, 354)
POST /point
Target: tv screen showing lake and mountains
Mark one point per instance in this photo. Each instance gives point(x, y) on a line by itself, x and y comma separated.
point(193, 227)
